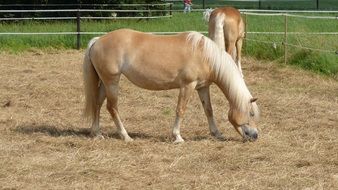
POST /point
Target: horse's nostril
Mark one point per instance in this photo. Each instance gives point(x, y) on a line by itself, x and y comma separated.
point(254, 136)
point(246, 133)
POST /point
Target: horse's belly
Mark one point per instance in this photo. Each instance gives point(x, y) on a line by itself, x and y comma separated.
point(153, 83)
point(153, 79)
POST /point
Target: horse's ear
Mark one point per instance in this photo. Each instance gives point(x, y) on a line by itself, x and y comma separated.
point(253, 100)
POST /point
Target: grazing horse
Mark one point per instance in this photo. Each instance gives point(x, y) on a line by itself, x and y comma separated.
point(187, 61)
point(226, 28)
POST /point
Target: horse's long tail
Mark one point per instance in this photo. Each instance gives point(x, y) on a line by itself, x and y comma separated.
point(91, 84)
point(206, 14)
point(216, 30)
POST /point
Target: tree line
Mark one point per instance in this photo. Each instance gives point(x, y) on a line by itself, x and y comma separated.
point(78, 4)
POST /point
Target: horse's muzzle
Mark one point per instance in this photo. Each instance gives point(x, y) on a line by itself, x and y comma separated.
point(248, 133)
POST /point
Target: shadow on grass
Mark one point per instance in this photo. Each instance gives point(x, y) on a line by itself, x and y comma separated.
point(226, 139)
point(53, 131)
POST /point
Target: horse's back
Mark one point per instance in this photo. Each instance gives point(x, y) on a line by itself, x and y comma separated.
point(128, 41)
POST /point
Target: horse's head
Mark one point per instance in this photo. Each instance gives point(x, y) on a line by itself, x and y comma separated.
point(245, 121)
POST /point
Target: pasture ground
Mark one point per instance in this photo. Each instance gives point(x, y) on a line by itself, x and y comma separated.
point(44, 142)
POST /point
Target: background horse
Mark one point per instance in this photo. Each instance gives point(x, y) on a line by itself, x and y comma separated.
point(226, 28)
point(186, 61)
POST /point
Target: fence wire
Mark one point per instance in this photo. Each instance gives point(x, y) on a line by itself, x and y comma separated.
point(285, 41)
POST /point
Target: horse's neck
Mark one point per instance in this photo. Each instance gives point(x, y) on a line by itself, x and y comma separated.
point(225, 88)
point(232, 85)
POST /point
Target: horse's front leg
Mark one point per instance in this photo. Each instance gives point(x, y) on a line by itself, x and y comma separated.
point(204, 94)
point(183, 98)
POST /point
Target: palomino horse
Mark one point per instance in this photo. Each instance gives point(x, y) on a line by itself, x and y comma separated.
point(226, 28)
point(186, 61)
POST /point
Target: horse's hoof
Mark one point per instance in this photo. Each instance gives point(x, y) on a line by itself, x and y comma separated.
point(179, 141)
point(128, 139)
point(98, 137)
point(220, 137)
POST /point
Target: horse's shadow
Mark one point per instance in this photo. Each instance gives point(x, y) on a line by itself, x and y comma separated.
point(53, 131)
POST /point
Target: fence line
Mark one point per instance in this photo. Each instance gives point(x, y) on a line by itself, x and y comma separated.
point(313, 49)
point(74, 33)
point(265, 42)
point(84, 5)
point(81, 10)
point(78, 11)
point(295, 33)
point(244, 11)
point(274, 44)
point(97, 18)
point(292, 15)
point(203, 32)
point(39, 18)
point(165, 2)
point(263, 14)
point(313, 17)
point(285, 11)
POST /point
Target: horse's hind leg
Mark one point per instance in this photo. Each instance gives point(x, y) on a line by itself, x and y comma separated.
point(234, 49)
point(204, 95)
point(230, 48)
point(239, 44)
point(95, 129)
point(233, 46)
point(112, 97)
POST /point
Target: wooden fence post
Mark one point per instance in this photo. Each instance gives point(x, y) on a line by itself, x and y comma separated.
point(285, 38)
point(78, 29)
point(171, 8)
point(149, 12)
point(317, 4)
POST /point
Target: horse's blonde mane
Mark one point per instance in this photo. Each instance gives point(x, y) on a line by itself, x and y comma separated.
point(225, 73)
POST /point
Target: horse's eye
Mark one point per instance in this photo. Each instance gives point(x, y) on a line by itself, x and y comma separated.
point(252, 114)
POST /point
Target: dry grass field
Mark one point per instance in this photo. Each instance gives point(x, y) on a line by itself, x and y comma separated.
point(44, 143)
